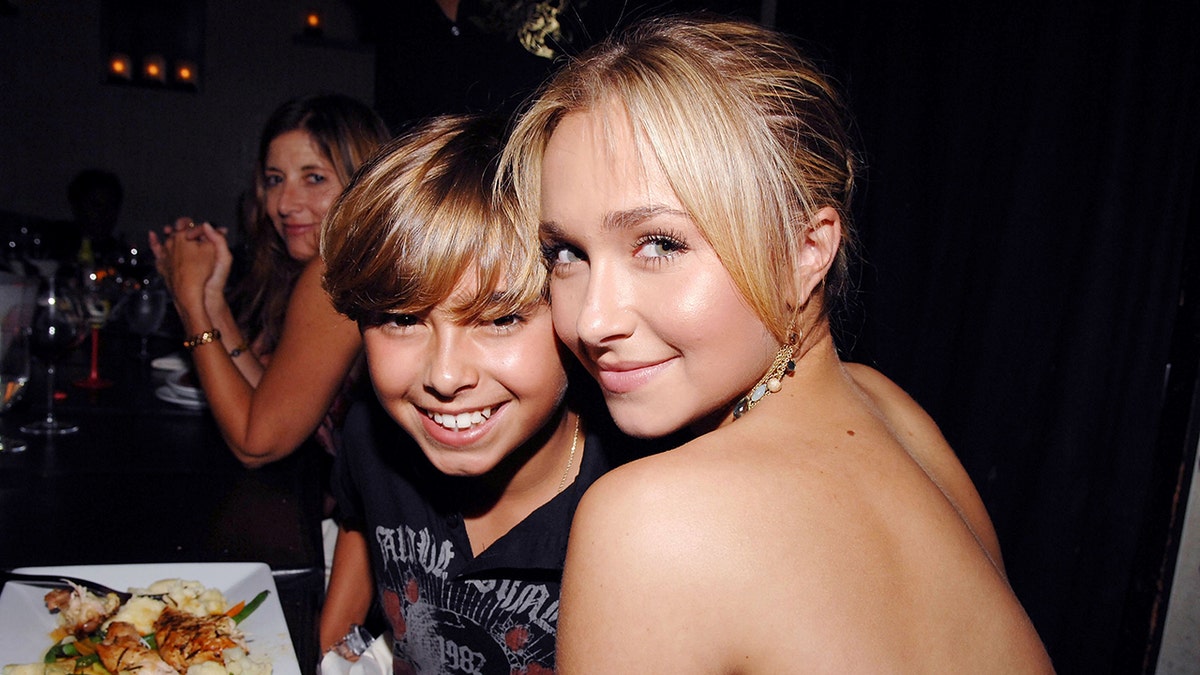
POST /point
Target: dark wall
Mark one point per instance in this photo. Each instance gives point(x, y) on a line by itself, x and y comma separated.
point(1025, 229)
point(177, 153)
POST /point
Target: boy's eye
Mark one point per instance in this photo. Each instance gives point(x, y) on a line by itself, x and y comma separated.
point(388, 320)
point(505, 321)
point(560, 254)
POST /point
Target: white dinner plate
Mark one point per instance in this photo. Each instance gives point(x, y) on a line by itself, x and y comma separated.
point(166, 393)
point(184, 389)
point(25, 623)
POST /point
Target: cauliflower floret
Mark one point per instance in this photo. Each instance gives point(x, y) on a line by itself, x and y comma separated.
point(237, 662)
point(207, 668)
point(188, 596)
point(36, 669)
point(141, 611)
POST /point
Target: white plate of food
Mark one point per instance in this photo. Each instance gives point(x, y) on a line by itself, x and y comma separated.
point(26, 624)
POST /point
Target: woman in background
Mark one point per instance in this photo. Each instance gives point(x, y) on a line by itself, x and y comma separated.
point(272, 374)
point(690, 185)
point(282, 371)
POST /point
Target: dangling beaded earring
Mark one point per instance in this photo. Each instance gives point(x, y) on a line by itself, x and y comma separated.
point(773, 380)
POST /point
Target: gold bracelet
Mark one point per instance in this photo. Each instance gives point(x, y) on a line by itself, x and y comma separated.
point(239, 350)
point(201, 339)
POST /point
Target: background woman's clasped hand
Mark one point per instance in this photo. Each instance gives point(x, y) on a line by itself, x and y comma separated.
point(193, 257)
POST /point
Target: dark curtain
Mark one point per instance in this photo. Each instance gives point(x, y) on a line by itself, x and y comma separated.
point(1024, 225)
point(1031, 172)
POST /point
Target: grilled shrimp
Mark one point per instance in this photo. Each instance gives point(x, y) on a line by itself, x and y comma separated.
point(186, 640)
point(122, 651)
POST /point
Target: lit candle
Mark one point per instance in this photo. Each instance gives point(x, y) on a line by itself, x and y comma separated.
point(312, 23)
point(120, 67)
point(185, 72)
point(154, 68)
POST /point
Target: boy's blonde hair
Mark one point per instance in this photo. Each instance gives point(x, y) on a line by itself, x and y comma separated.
point(418, 217)
point(750, 134)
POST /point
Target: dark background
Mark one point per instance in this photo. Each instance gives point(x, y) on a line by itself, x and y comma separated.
point(1029, 275)
point(1028, 230)
point(1027, 222)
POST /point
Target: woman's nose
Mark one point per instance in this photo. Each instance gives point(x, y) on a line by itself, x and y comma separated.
point(606, 309)
point(289, 198)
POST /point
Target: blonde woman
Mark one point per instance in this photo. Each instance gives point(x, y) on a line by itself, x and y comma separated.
point(690, 185)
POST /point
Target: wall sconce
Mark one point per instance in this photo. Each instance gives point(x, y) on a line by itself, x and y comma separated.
point(120, 67)
point(185, 73)
point(154, 69)
point(313, 27)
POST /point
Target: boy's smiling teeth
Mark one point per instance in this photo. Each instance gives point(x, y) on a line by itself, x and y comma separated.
point(461, 420)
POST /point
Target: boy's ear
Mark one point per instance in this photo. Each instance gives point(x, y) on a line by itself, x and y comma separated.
point(818, 250)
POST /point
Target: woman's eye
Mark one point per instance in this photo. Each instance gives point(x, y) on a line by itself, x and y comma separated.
point(272, 180)
point(659, 246)
point(316, 178)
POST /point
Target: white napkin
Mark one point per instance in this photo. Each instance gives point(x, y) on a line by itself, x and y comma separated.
point(169, 362)
point(377, 660)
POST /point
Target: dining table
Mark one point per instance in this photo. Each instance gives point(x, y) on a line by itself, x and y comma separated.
point(145, 480)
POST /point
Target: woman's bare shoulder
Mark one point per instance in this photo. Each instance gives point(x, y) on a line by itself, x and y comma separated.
point(918, 434)
point(657, 571)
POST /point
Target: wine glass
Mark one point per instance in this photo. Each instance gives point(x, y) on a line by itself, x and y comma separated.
point(98, 307)
point(58, 326)
point(16, 306)
point(144, 311)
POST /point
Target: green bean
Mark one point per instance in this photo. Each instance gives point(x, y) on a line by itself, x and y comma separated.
point(250, 607)
point(62, 650)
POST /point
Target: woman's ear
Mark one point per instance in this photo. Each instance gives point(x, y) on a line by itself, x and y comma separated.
point(818, 250)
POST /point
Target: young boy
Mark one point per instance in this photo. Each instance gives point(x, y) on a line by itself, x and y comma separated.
point(461, 484)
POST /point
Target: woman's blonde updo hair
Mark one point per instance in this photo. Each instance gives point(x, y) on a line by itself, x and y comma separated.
point(750, 134)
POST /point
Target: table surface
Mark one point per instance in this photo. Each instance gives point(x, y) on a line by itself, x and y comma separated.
point(146, 481)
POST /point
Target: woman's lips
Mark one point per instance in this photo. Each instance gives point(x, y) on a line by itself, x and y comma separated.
point(293, 230)
point(625, 378)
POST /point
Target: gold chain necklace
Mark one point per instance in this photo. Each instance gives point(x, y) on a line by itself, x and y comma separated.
point(571, 457)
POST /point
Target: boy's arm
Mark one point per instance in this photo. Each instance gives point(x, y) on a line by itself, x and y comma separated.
point(350, 588)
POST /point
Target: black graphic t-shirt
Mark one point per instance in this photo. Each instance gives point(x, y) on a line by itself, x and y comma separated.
point(452, 612)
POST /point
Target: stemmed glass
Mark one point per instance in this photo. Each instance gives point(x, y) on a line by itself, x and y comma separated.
point(58, 326)
point(144, 310)
point(16, 306)
point(98, 307)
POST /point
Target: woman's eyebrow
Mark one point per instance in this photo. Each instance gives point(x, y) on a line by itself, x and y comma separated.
point(628, 218)
point(619, 220)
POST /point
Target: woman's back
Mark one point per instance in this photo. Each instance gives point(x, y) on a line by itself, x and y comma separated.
point(804, 537)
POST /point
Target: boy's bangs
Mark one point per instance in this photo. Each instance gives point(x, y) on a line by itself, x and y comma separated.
point(505, 275)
